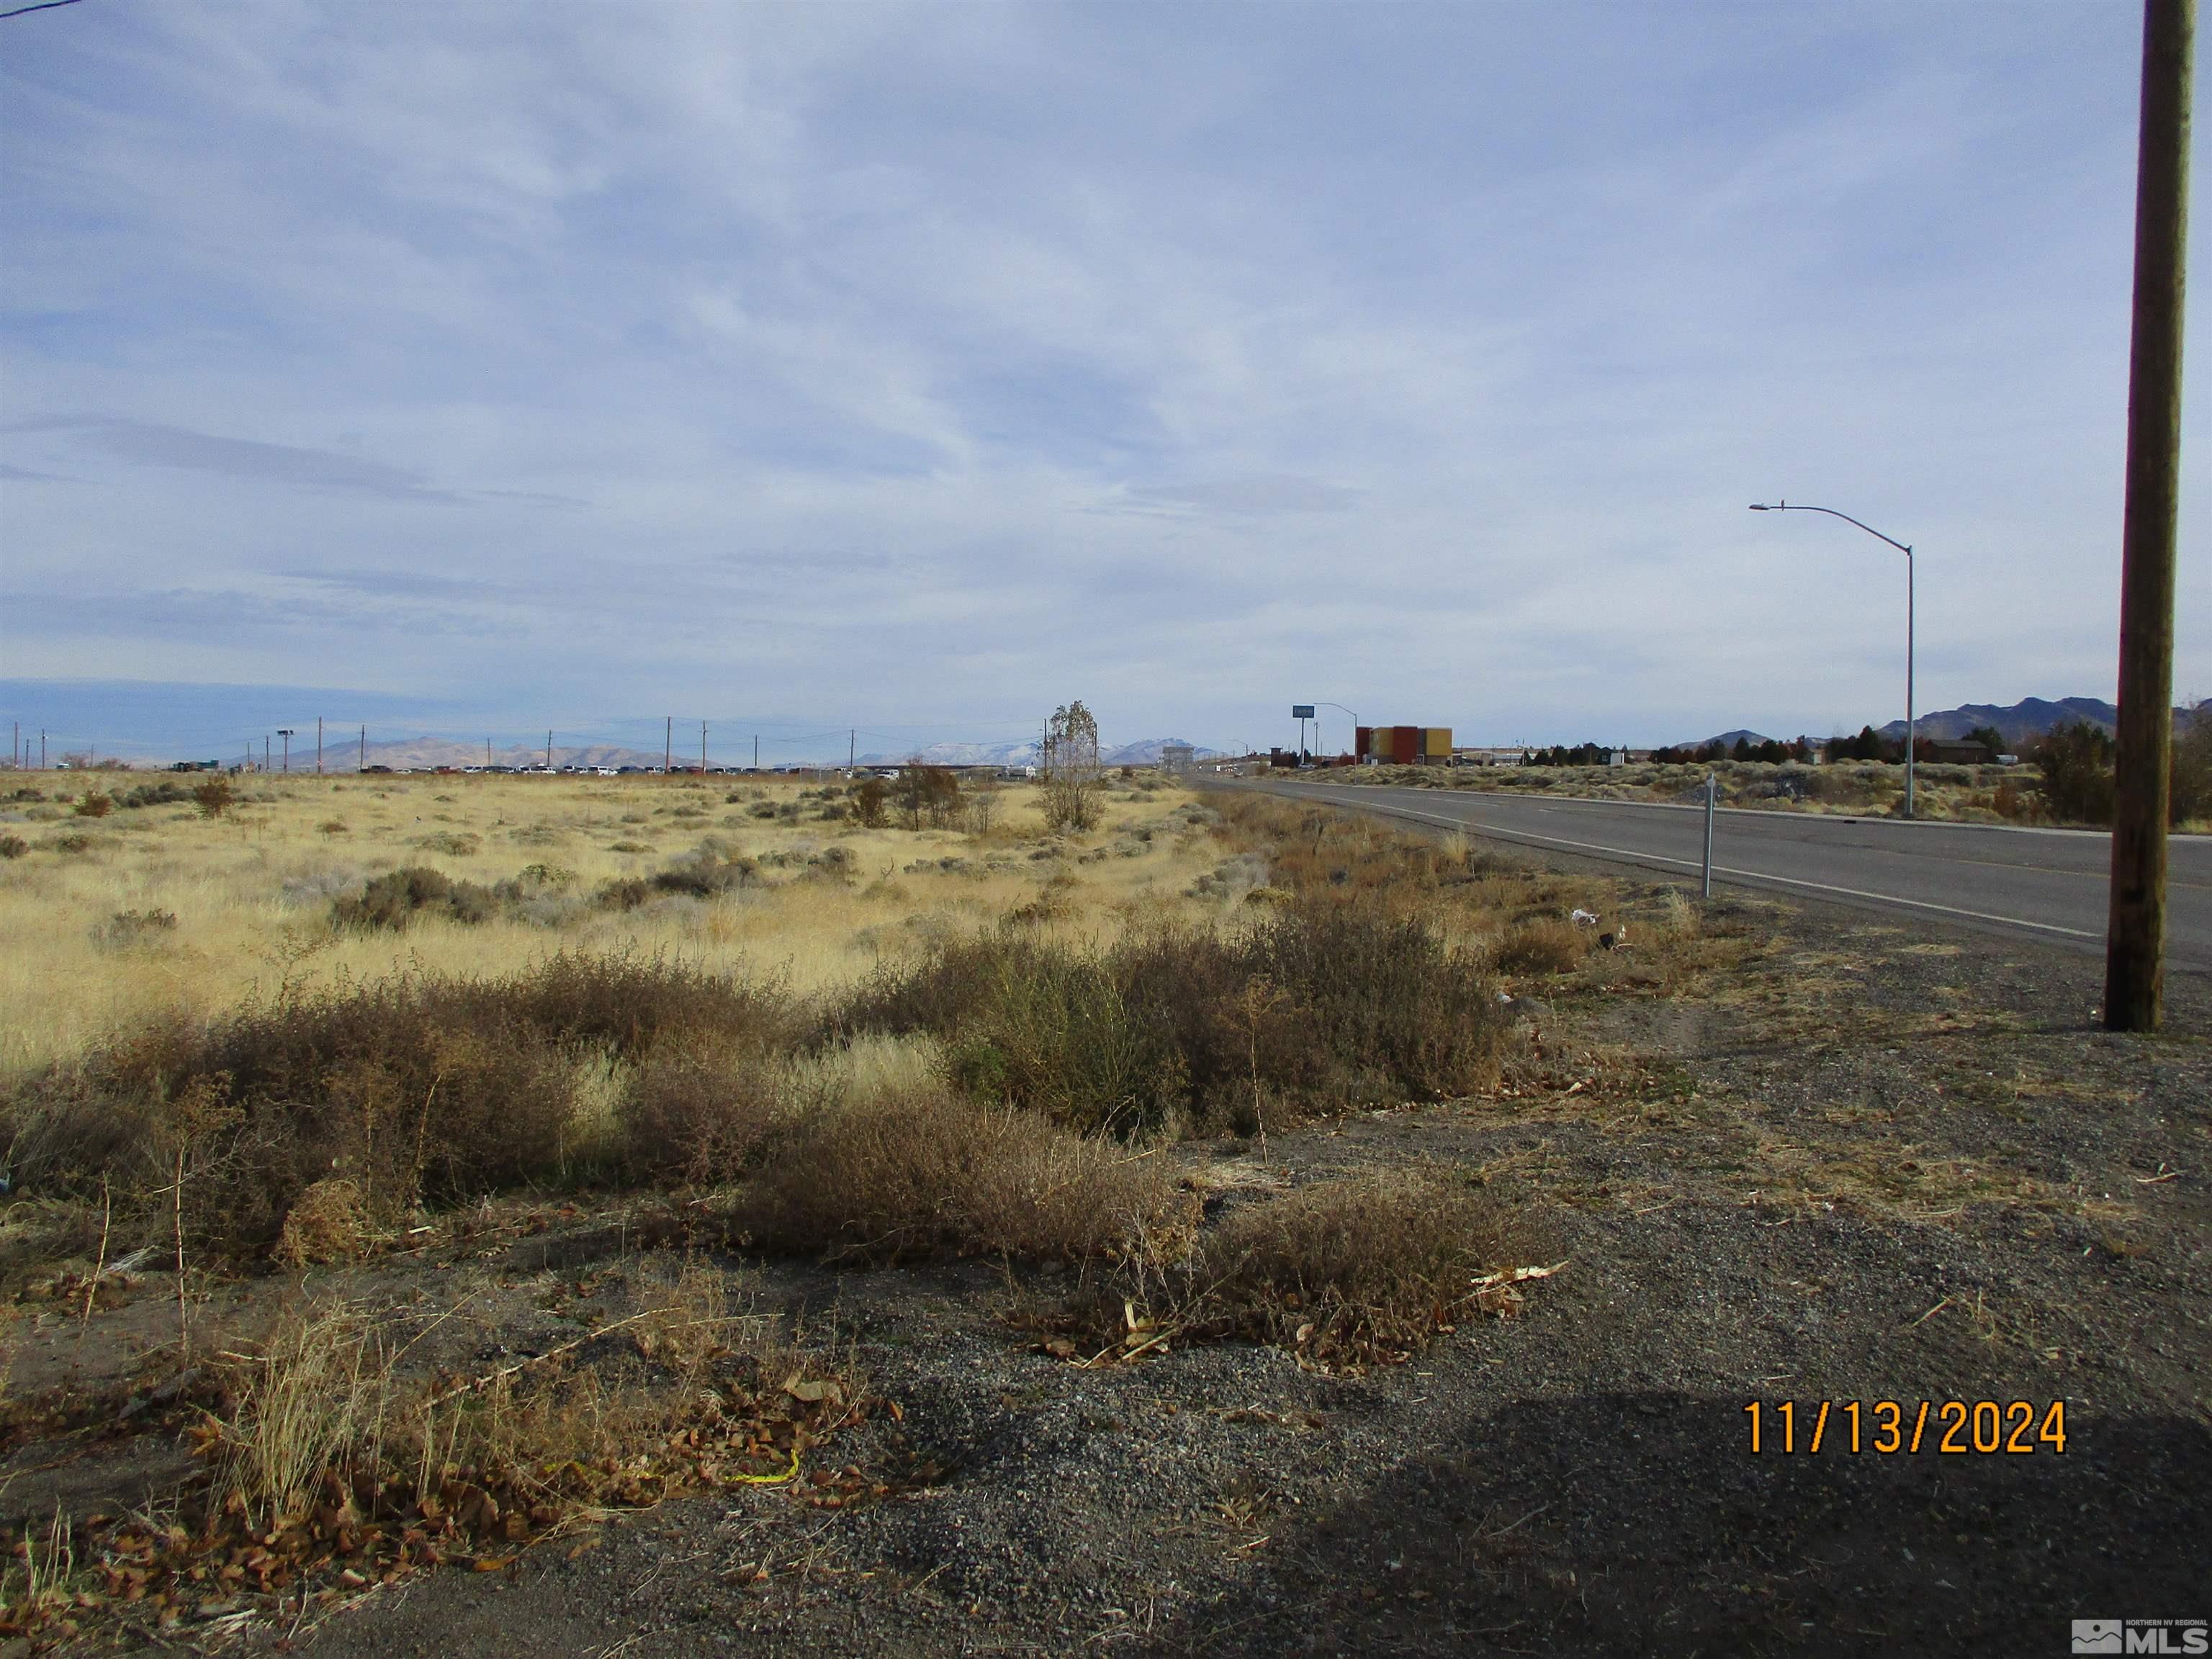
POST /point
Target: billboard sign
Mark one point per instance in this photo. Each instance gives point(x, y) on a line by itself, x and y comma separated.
point(1302, 711)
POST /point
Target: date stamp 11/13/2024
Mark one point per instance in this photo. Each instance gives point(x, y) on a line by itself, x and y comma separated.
point(1955, 1427)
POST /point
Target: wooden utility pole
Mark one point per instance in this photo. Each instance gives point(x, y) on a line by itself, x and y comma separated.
point(549, 749)
point(852, 747)
point(2135, 943)
point(360, 764)
point(318, 746)
point(668, 747)
point(702, 749)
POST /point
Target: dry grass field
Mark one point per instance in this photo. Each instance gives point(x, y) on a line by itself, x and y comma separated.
point(155, 909)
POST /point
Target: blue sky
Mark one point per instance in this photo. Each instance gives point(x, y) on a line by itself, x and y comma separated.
point(921, 367)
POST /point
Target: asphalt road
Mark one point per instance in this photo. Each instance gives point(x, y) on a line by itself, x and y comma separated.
point(2050, 884)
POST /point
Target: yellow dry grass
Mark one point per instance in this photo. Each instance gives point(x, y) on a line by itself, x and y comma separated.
point(251, 891)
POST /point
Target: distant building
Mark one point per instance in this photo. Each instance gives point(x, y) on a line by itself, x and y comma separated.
point(1960, 753)
point(1177, 756)
point(1404, 745)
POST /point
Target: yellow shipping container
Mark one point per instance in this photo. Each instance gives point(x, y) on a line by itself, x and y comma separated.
point(1436, 742)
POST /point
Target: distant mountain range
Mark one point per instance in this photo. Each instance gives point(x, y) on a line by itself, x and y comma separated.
point(2031, 717)
point(1728, 739)
point(422, 753)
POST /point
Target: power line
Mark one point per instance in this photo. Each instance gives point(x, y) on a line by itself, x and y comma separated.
point(43, 5)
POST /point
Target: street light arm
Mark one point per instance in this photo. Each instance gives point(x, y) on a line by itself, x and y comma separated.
point(1786, 507)
point(1912, 726)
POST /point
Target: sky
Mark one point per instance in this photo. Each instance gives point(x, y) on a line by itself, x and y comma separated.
point(491, 367)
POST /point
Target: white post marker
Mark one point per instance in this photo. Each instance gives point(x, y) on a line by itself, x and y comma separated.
point(1712, 783)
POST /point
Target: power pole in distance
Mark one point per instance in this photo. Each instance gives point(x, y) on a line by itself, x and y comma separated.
point(318, 746)
point(2135, 941)
point(549, 749)
point(702, 749)
point(668, 746)
point(360, 764)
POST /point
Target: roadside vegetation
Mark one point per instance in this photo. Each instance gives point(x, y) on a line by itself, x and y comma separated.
point(2064, 779)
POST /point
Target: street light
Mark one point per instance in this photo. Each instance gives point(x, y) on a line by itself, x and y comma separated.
point(285, 732)
point(1342, 709)
point(1911, 730)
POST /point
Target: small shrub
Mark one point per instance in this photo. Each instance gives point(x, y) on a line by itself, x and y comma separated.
point(928, 1174)
point(708, 870)
point(166, 793)
point(214, 797)
point(454, 844)
point(395, 899)
point(94, 806)
point(2191, 797)
point(623, 893)
point(1360, 1266)
point(2014, 804)
point(872, 802)
point(73, 841)
point(126, 929)
point(1072, 803)
point(1315, 1006)
point(334, 827)
point(1541, 944)
point(327, 1222)
point(698, 1107)
point(2075, 761)
point(415, 1089)
point(13, 846)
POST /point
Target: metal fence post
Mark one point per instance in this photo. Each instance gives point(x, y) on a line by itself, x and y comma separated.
point(1711, 786)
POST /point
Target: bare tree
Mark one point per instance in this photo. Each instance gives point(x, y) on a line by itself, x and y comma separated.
point(1072, 778)
point(926, 793)
point(982, 801)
